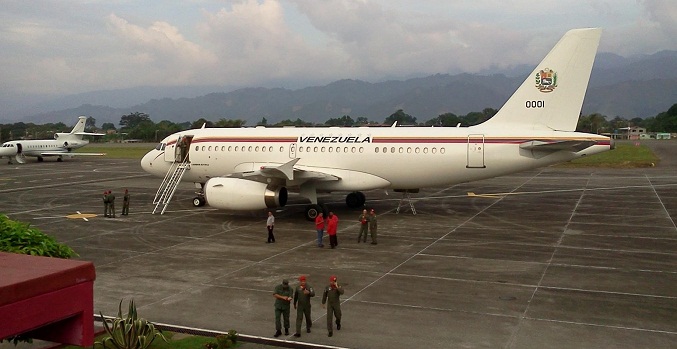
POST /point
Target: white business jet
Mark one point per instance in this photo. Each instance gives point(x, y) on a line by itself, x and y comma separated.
point(254, 168)
point(62, 145)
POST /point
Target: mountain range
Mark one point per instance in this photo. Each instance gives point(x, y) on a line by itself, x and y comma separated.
point(640, 86)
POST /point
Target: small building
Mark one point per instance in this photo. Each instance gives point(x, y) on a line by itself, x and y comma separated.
point(662, 135)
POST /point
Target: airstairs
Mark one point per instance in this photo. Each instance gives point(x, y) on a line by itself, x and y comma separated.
point(169, 184)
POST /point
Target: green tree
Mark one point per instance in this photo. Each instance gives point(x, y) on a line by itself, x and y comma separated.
point(230, 123)
point(401, 117)
point(345, 120)
point(90, 123)
point(361, 120)
point(130, 121)
point(263, 122)
point(446, 119)
point(297, 122)
point(107, 126)
point(201, 122)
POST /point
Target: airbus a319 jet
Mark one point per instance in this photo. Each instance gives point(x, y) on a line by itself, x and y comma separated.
point(62, 145)
point(256, 168)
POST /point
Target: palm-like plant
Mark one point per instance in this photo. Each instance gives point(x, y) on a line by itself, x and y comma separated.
point(129, 332)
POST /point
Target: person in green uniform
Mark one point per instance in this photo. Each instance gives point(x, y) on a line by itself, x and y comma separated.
point(331, 297)
point(373, 226)
point(283, 296)
point(111, 204)
point(125, 205)
point(302, 296)
point(364, 226)
point(106, 204)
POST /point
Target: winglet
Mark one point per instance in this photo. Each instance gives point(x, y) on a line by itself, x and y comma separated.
point(287, 169)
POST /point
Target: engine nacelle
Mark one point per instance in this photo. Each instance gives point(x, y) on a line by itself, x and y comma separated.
point(241, 194)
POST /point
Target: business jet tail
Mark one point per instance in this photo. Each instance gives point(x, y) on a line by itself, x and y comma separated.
point(552, 95)
point(78, 131)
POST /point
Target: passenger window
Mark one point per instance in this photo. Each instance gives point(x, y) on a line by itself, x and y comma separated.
point(442, 150)
point(376, 149)
point(418, 150)
point(250, 148)
point(361, 149)
point(392, 150)
point(353, 149)
point(409, 150)
point(209, 148)
point(197, 148)
point(425, 150)
point(401, 150)
point(256, 149)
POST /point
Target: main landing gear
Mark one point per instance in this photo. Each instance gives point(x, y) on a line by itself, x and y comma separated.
point(199, 201)
point(312, 211)
point(355, 199)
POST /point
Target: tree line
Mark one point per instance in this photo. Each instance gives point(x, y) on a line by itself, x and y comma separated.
point(139, 126)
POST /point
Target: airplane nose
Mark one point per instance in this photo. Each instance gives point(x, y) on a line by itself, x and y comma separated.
point(7, 151)
point(147, 161)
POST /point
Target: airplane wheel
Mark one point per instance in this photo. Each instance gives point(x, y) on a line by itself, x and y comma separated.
point(312, 211)
point(355, 199)
point(198, 201)
point(58, 160)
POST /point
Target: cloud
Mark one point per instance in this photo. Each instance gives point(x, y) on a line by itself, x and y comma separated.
point(159, 53)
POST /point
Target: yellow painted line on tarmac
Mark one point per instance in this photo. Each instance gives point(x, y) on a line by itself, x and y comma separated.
point(82, 216)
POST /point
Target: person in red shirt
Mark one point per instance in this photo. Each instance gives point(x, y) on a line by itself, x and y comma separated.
point(332, 226)
point(319, 225)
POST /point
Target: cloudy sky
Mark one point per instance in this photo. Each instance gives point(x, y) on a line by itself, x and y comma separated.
point(72, 46)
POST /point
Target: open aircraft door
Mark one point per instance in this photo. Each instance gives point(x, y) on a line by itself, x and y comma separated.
point(475, 151)
point(179, 151)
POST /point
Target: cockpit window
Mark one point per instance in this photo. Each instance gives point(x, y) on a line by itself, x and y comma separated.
point(160, 146)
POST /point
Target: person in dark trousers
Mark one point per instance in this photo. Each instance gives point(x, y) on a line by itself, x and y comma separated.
point(106, 204)
point(302, 296)
point(125, 203)
point(332, 227)
point(373, 226)
point(364, 226)
point(111, 204)
point(332, 297)
point(319, 226)
point(270, 224)
point(283, 297)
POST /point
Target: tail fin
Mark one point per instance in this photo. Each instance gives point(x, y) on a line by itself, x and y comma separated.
point(80, 126)
point(552, 96)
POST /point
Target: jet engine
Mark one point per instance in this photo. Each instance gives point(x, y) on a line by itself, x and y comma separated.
point(242, 194)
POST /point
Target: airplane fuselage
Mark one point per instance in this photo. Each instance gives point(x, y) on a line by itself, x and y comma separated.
point(369, 157)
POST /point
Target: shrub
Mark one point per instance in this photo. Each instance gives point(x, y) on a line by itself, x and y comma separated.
point(19, 237)
point(130, 332)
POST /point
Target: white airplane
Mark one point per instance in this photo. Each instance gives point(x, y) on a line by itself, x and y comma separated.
point(254, 168)
point(62, 145)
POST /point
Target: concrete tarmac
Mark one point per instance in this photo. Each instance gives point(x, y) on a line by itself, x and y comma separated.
point(549, 258)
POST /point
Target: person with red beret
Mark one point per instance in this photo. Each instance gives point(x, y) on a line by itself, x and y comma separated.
point(332, 298)
point(302, 296)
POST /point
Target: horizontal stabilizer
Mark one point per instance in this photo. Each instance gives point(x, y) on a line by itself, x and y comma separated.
point(552, 146)
point(88, 134)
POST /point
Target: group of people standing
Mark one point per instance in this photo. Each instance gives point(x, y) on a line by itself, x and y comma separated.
point(368, 224)
point(300, 297)
point(331, 223)
point(109, 204)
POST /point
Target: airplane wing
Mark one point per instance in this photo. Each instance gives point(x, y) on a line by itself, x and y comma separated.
point(553, 146)
point(286, 171)
point(56, 153)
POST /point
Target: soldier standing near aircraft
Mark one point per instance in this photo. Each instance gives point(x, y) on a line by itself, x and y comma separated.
point(331, 297)
point(125, 205)
point(106, 203)
point(373, 226)
point(364, 226)
point(319, 225)
point(332, 227)
point(302, 305)
point(270, 224)
point(283, 297)
point(111, 204)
